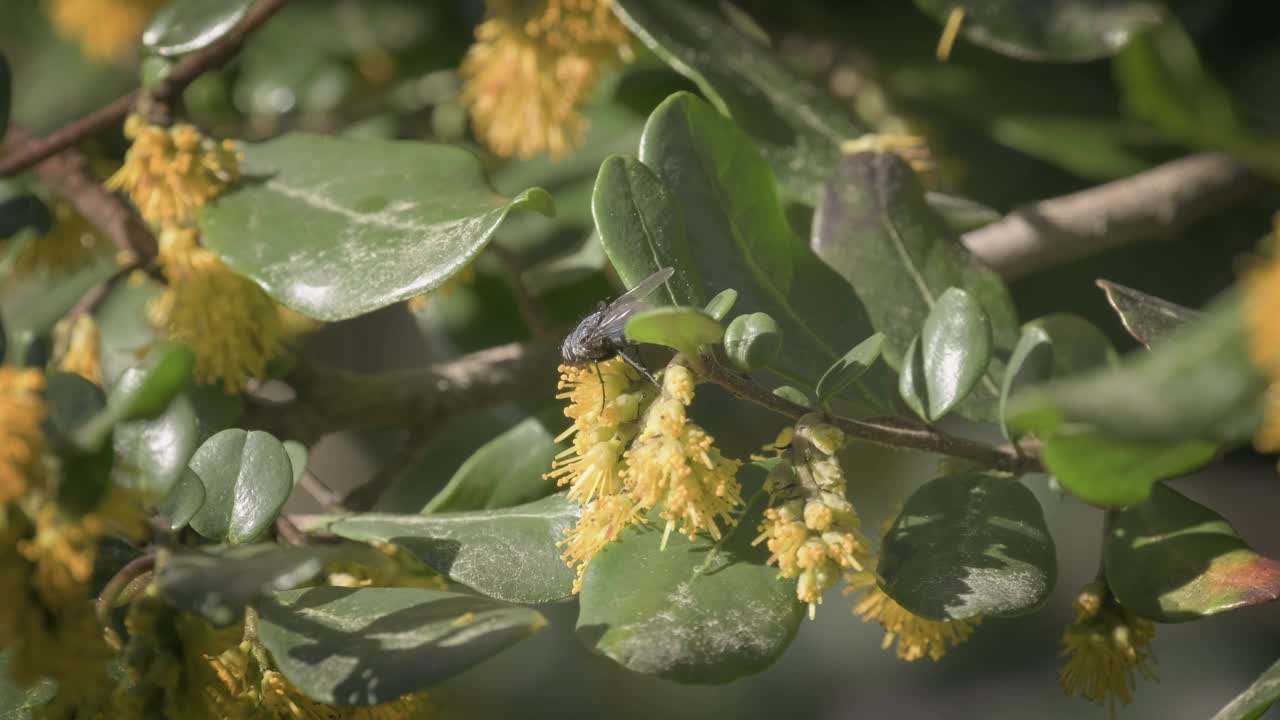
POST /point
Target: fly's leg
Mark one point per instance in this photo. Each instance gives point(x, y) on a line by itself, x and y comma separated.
point(600, 377)
point(635, 363)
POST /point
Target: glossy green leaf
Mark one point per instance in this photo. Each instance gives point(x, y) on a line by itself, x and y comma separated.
point(968, 545)
point(683, 329)
point(791, 393)
point(17, 701)
point(219, 582)
point(752, 341)
point(247, 478)
point(955, 345)
point(153, 454)
point(720, 305)
point(504, 472)
point(185, 498)
point(875, 228)
point(183, 26)
point(741, 239)
point(797, 126)
point(1256, 699)
point(1031, 362)
point(152, 391)
point(1148, 318)
point(1171, 559)
point(370, 645)
point(850, 366)
point(1110, 472)
point(335, 228)
point(701, 611)
point(507, 553)
point(1050, 30)
point(912, 387)
point(643, 231)
point(961, 214)
point(127, 338)
point(1196, 385)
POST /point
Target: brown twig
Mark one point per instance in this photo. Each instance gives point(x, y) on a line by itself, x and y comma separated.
point(33, 151)
point(329, 400)
point(134, 569)
point(1151, 204)
point(890, 432)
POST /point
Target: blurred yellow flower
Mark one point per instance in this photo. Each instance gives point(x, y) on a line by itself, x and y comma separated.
point(68, 246)
point(1106, 648)
point(532, 66)
point(103, 28)
point(1262, 318)
point(170, 174)
point(916, 636)
point(79, 350)
point(22, 410)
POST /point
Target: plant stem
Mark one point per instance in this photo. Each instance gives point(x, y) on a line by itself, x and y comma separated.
point(106, 601)
point(890, 432)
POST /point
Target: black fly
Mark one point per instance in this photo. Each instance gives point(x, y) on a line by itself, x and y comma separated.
point(602, 335)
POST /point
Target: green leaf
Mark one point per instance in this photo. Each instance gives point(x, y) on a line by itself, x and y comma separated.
point(700, 612)
point(504, 472)
point(911, 382)
point(247, 478)
point(961, 214)
point(1110, 472)
point(797, 125)
point(1196, 385)
point(1030, 363)
point(153, 454)
point(219, 582)
point(184, 26)
point(1256, 699)
point(642, 230)
point(1052, 346)
point(297, 453)
point(127, 338)
point(1148, 318)
point(850, 367)
point(955, 345)
point(73, 402)
point(31, 305)
point(683, 329)
point(6, 94)
point(507, 553)
point(370, 645)
point(155, 388)
point(16, 701)
point(793, 394)
point(752, 341)
point(741, 239)
point(968, 545)
point(1171, 559)
point(875, 228)
point(1050, 30)
point(185, 498)
point(335, 228)
point(722, 303)
point(1089, 148)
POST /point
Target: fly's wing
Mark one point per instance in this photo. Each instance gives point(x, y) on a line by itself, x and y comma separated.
point(613, 318)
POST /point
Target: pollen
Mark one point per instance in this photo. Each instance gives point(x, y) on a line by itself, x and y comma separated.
point(532, 67)
point(600, 524)
point(170, 174)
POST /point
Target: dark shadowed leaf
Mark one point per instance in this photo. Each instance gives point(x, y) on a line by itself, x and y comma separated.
point(219, 582)
point(700, 612)
point(683, 329)
point(370, 645)
point(17, 701)
point(247, 478)
point(955, 345)
point(504, 472)
point(875, 228)
point(968, 545)
point(1171, 559)
point(1256, 699)
point(507, 553)
point(797, 126)
point(643, 231)
point(1147, 317)
point(335, 228)
point(183, 26)
point(1050, 30)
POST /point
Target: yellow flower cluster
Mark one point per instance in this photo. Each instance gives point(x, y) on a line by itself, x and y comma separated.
point(634, 449)
point(811, 528)
point(1106, 648)
point(916, 636)
point(104, 28)
point(533, 64)
point(78, 349)
point(1262, 318)
point(68, 246)
point(22, 409)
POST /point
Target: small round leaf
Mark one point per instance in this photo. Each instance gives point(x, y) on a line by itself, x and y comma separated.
point(247, 478)
point(752, 341)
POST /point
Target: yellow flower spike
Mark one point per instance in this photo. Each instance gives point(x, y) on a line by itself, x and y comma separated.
point(1262, 318)
point(103, 28)
point(673, 465)
point(1106, 648)
point(600, 524)
point(80, 353)
point(812, 529)
point(230, 324)
point(22, 410)
point(171, 173)
point(916, 637)
point(531, 68)
point(68, 246)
